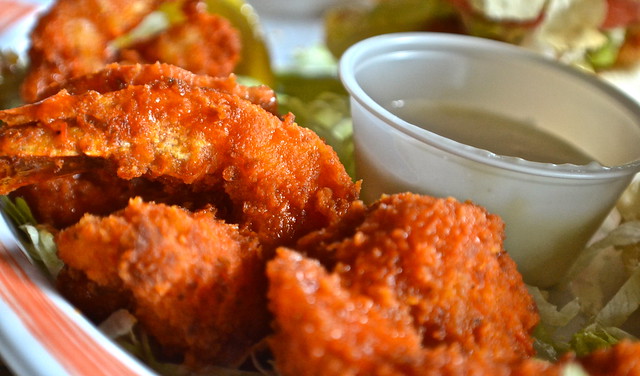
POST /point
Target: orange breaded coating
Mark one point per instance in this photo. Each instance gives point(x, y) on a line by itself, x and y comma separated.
point(99, 191)
point(117, 76)
point(62, 202)
point(280, 179)
point(418, 273)
point(197, 283)
point(444, 260)
point(623, 359)
point(204, 43)
point(321, 328)
point(73, 38)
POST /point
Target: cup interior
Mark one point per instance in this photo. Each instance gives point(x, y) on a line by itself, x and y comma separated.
point(572, 105)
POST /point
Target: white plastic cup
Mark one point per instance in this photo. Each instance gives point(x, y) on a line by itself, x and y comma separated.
point(550, 211)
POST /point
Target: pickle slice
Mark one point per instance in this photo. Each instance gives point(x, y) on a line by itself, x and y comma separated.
point(255, 61)
point(346, 25)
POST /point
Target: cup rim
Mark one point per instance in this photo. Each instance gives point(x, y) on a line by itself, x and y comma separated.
point(395, 42)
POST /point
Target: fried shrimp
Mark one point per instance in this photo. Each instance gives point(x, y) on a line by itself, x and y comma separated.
point(204, 43)
point(101, 192)
point(324, 329)
point(195, 282)
point(280, 180)
point(73, 38)
point(77, 38)
point(418, 273)
point(423, 249)
point(117, 76)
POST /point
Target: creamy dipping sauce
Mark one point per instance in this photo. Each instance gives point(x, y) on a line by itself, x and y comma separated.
point(496, 133)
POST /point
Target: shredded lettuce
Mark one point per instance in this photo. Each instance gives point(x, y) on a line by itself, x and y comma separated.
point(606, 55)
point(311, 90)
point(600, 294)
point(629, 205)
point(38, 241)
point(595, 337)
point(122, 327)
point(572, 27)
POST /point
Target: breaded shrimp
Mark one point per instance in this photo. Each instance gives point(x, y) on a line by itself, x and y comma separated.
point(204, 43)
point(100, 191)
point(117, 76)
point(321, 328)
point(196, 283)
point(417, 274)
point(444, 260)
point(76, 37)
point(324, 328)
point(281, 180)
point(73, 38)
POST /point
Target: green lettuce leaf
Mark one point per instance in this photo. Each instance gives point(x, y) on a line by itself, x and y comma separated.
point(37, 241)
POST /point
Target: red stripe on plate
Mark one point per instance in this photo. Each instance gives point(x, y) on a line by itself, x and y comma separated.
point(68, 343)
point(12, 12)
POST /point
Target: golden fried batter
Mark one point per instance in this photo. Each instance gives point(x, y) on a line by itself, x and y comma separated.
point(282, 180)
point(100, 191)
point(73, 38)
point(197, 284)
point(204, 43)
point(117, 76)
point(322, 328)
point(417, 274)
point(445, 261)
point(76, 38)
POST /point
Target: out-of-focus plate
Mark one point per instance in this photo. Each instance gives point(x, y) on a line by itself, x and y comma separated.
point(16, 19)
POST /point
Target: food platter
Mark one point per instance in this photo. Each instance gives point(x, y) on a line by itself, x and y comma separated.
point(40, 332)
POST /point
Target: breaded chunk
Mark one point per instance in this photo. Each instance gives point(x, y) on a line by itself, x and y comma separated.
point(444, 260)
point(416, 274)
point(204, 43)
point(323, 328)
point(196, 283)
point(281, 180)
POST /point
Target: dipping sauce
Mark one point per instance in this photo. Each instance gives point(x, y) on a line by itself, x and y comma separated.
point(494, 132)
